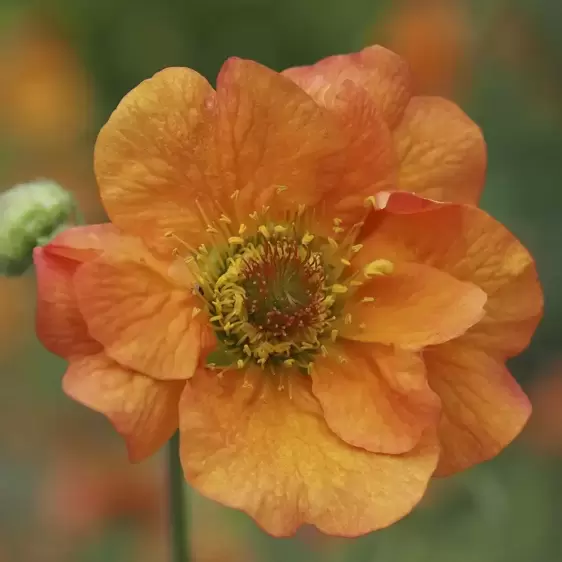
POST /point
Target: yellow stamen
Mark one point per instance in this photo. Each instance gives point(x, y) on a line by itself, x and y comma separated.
point(236, 240)
point(345, 262)
point(356, 248)
point(378, 267)
point(368, 299)
point(242, 229)
point(264, 231)
point(339, 289)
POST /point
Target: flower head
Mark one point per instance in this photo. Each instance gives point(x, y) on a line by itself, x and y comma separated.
point(298, 255)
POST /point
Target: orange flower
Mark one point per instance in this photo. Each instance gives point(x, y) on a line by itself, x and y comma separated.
point(360, 328)
point(433, 36)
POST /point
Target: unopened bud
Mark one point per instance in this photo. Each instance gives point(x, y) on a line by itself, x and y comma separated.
point(31, 214)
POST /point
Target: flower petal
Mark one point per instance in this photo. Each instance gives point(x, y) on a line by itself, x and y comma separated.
point(156, 156)
point(143, 411)
point(367, 163)
point(471, 246)
point(143, 320)
point(275, 143)
point(59, 323)
point(375, 397)
point(269, 452)
point(484, 408)
point(441, 151)
point(384, 75)
point(413, 307)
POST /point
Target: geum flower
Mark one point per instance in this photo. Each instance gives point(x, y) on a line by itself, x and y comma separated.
point(316, 232)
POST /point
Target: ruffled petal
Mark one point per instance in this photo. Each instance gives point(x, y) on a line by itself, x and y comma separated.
point(156, 157)
point(267, 450)
point(275, 143)
point(471, 246)
point(484, 408)
point(59, 323)
point(441, 152)
point(413, 307)
point(143, 320)
point(143, 411)
point(375, 397)
point(381, 73)
point(367, 162)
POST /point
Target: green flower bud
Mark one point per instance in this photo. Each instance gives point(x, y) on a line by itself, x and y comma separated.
point(31, 214)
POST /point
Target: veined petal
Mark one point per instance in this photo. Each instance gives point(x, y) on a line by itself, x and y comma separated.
point(59, 323)
point(471, 246)
point(413, 307)
point(484, 408)
point(275, 143)
point(381, 73)
point(252, 446)
point(143, 321)
point(156, 157)
point(375, 397)
point(367, 162)
point(441, 152)
point(143, 411)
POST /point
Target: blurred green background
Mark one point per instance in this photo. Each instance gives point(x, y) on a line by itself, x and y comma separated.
point(67, 492)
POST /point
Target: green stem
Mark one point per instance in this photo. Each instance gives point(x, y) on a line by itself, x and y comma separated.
point(179, 536)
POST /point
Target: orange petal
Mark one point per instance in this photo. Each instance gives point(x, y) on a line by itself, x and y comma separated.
point(384, 75)
point(367, 163)
point(143, 411)
point(375, 397)
point(484, 408)
point(471, 246)
point(269, 452)
point(143, 320)
point(59, 323)
point(441, 151)
point(275, 143)
point(155, 157)
point(414, 306)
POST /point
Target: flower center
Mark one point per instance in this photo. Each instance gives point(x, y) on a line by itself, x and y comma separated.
point(273, 302)
point(274, 292)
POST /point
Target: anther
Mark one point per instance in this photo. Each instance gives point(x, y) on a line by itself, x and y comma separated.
point(307, 239)
point(356, 248)
point(224, 218)
point(339, 289)
point(347, 318)
point(378, 267)
point(236, 240)
point(345, 262)
point(235, 194)
point(263, 230)
point(368, 299)
point(332, 243)
point(242, 229)
point(334, 335)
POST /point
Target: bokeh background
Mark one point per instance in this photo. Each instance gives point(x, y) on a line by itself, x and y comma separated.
point(67, 492)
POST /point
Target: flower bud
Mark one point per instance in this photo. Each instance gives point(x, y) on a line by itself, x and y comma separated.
point(31, 214)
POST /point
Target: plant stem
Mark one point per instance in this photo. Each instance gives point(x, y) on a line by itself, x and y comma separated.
point(179, 535)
